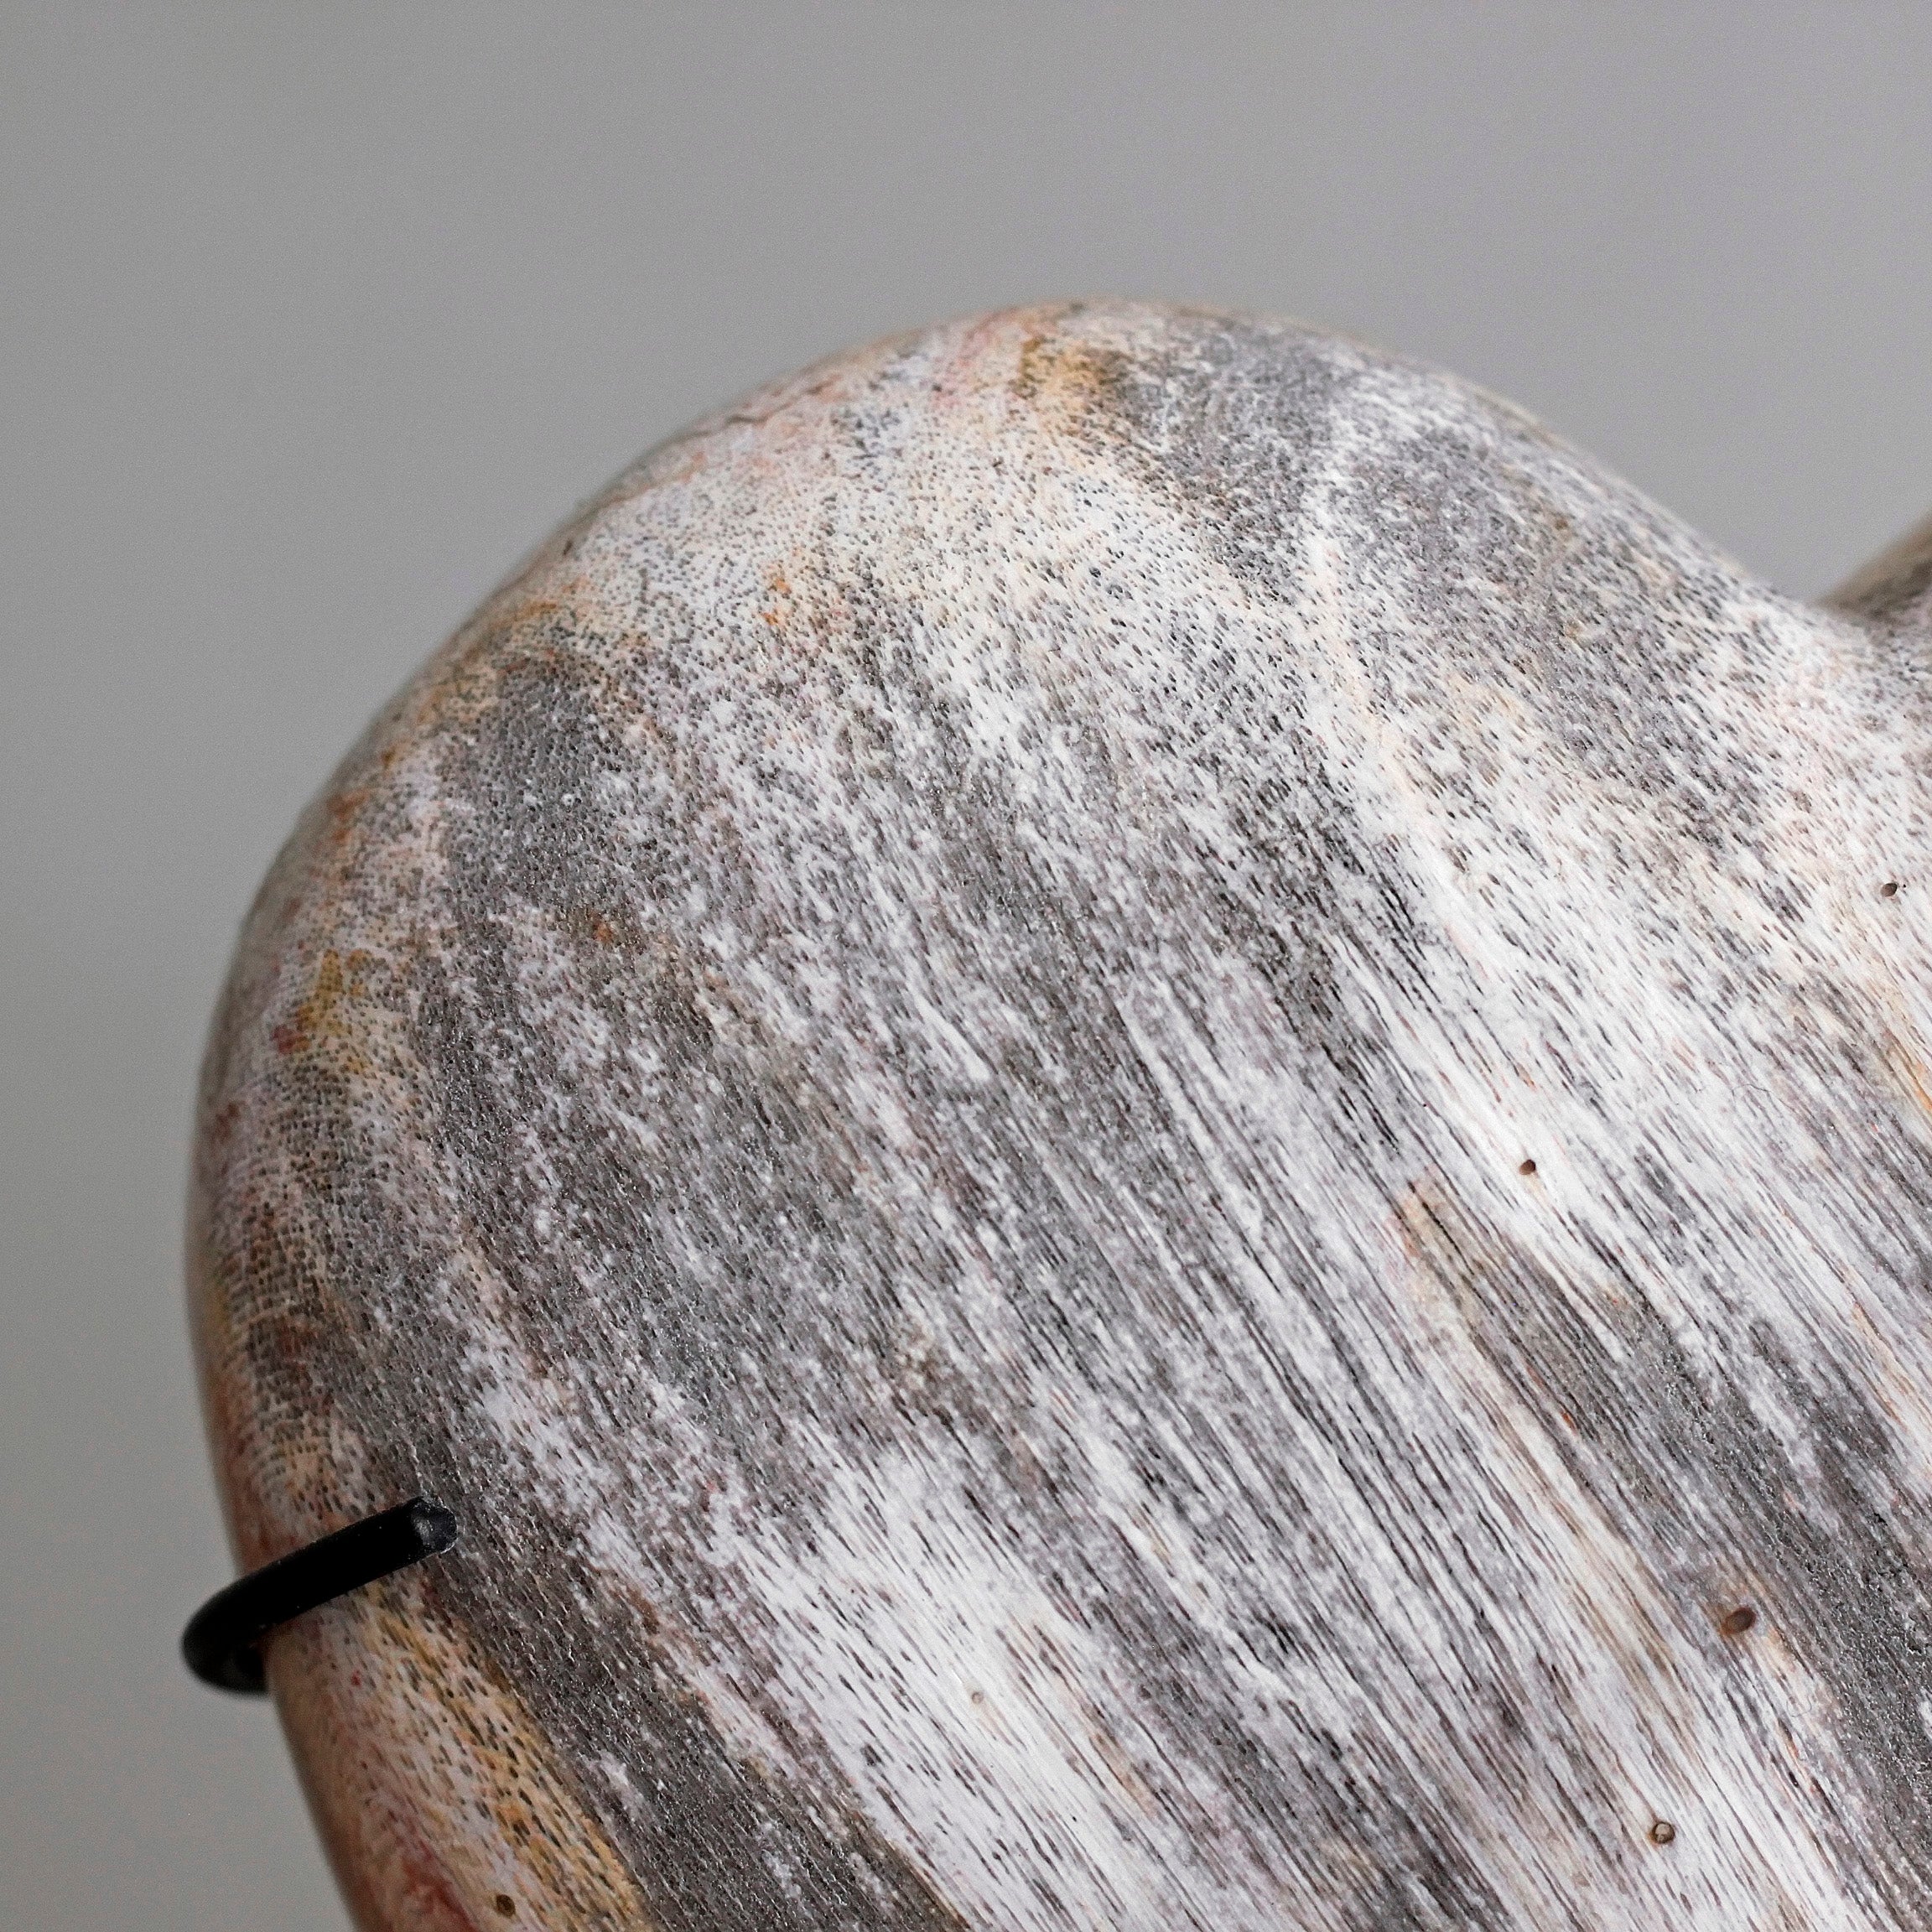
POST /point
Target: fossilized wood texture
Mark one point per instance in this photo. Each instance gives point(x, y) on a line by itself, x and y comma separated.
point(909, 1074)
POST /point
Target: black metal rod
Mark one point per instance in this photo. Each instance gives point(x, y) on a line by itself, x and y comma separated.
point(222, 1641)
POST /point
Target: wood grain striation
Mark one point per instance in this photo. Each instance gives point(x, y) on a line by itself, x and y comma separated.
point(1139, 1112)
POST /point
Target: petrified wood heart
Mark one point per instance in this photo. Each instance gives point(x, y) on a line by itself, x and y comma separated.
point(1138, 1113)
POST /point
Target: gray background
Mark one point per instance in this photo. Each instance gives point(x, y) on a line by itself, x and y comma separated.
point(313, 320)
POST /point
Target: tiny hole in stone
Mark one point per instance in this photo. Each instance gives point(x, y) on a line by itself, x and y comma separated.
point(1738, 1621)
point(1890, 889)
point(1527, 1167)
point(1662, 1831)
point(506, 1906)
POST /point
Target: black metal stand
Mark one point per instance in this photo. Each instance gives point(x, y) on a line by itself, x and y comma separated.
point(221, 1641)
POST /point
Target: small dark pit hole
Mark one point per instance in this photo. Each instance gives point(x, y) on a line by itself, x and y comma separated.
point(1527, 1167)
point(1738, 1621)
point(1662, 1831)
point(506, 1906)
point(1890, 889)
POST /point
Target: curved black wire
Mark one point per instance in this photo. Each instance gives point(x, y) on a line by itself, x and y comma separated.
point(221, 1641)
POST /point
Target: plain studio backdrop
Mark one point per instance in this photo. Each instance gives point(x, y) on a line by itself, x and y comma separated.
point(314, 319)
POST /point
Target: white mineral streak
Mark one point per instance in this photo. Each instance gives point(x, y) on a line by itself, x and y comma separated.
point(1131, 1106)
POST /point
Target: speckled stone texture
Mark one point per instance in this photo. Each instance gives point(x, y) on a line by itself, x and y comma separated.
point(1138, 1113)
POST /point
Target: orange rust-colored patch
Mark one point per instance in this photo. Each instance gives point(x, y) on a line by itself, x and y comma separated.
point(1905, 1066)
point(602, 926)
point(340, 983)
point(782, 607)
point(343, 806)
point(1068, 382)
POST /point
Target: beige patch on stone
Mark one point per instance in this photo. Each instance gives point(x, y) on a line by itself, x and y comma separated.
point(439, 1800)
